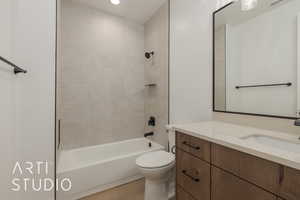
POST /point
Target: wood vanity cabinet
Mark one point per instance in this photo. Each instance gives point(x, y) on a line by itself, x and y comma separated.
point(207, 171)
point(181, 194)
point(196, 147)
point(193, 175)
point(226, 186)
point(255, 170)
point(290, 184)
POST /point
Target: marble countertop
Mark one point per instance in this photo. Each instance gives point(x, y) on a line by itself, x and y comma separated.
point(232, 136)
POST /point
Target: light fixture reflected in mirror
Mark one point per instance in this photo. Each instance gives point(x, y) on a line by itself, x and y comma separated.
point(248, 4)
point(115, 2)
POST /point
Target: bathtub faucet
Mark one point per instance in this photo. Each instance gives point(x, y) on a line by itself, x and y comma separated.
point(148, 134)
point(151, 121)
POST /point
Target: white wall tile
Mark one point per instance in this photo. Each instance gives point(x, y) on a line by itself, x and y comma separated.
point(102, 77)
point(156, 71)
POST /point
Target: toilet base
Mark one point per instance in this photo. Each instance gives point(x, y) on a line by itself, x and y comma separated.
point(156, 189)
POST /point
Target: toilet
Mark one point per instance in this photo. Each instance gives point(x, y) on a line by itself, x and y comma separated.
point(158, 170)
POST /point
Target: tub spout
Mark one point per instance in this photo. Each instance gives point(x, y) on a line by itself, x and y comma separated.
point(148, 134)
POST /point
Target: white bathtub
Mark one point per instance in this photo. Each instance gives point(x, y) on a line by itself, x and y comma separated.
point(98, 168)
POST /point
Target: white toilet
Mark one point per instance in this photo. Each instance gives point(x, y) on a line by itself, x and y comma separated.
point(157, 168)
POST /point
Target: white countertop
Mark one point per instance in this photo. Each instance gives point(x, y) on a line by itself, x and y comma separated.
point(231, 136)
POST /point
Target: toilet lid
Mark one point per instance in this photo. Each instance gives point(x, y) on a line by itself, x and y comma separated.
point(155, 159)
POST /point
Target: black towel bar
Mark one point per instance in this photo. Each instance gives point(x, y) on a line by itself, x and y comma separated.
point(265, 85)
point(16, 68)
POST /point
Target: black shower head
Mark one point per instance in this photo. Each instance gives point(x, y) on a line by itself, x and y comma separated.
point(149, 54)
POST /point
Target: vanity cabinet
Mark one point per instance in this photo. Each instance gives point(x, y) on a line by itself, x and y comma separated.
point(258, 171)
point(208, 171)
point(181, 194)
point(226, 186)
point(290, 184)
point(196, 147)
point(193, 175)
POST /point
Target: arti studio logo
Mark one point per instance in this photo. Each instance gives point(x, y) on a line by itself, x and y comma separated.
point(33, 176)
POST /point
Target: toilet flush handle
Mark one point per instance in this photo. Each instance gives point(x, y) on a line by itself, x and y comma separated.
point(173, 150)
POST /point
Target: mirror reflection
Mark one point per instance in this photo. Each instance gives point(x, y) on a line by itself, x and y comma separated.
point(256, 58)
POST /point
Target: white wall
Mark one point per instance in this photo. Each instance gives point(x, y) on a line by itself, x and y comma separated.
point(263, 50)
point(27, 101)
point(191, 60)
point(7, 102)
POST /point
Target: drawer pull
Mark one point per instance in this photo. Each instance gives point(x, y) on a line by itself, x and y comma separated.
point(191, 177)
point(191, 146)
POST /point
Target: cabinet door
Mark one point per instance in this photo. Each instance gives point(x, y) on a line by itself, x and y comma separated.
point(182, 195)
point(290, 184)
point(255, 170)
point(193, 175)
point(228, 187)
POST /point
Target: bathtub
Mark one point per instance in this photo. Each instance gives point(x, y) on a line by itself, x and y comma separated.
point(98, 168)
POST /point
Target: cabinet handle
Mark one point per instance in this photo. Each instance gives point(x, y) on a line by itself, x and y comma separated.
point(191, 146)
point(281, 174)
point(191, 177)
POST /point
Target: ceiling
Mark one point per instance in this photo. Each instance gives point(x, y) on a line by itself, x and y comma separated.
point(137, 10)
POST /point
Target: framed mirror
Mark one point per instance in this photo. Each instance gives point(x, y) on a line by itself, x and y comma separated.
point(256, 58)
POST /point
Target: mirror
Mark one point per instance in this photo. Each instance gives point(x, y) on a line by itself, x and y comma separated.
point(257, 58)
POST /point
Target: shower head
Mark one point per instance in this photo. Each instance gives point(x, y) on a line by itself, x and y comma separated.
point(149, 54)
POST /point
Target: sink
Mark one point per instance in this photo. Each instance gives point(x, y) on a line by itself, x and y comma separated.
point(286, 145)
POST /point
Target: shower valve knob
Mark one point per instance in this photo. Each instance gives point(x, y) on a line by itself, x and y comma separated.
point(149, 54)
point(151, 121)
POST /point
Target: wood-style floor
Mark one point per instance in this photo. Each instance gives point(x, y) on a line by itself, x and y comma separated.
point(131, 191)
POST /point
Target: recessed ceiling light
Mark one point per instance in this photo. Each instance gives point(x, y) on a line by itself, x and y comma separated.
point(249, 4)
point(115, 2)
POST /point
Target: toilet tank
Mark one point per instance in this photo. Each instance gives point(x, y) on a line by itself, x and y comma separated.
point(171, 138)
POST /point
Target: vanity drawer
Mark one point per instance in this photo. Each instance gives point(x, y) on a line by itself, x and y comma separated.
point(290, 184)
point(182, 195)
point(193, 175)
point(258, 171)
point(194, 146)
point(228, 187)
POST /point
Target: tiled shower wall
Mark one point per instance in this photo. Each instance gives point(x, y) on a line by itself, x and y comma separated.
point(156, 71)
point(102, 80)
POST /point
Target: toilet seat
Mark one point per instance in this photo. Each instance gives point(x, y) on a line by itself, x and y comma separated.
point(157, 159)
